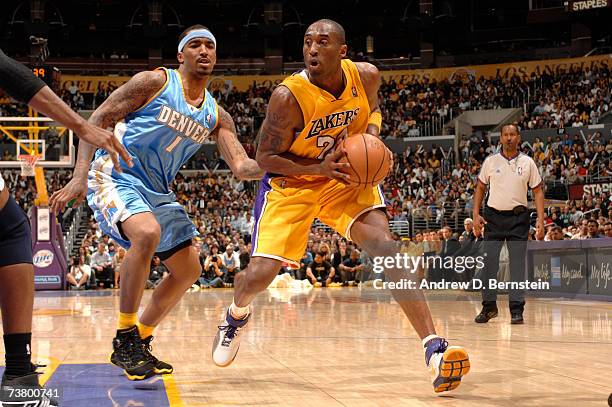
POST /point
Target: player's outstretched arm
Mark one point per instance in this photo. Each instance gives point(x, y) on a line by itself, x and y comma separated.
point(126, 99)
point(283, 119)
point(20, 83)
point(232, 151)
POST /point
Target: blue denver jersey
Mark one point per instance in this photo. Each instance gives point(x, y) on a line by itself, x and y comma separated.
point(162, 135)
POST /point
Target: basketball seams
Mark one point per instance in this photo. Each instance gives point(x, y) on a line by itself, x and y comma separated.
point(365, 177)
point(354, 172)
point(378, 170)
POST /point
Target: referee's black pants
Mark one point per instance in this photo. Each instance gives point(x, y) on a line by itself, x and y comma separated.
point(505, 226)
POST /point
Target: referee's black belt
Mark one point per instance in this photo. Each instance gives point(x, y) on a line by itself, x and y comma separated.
point(517, 210)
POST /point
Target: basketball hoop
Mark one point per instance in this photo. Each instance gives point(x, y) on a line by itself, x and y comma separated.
point(28, 162)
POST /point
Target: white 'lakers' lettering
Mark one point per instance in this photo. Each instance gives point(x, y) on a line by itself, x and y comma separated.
point(338, 119)
point(183, 124)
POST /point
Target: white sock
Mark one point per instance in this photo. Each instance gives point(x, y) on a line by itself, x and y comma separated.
point(239, 312)
point(428, 338)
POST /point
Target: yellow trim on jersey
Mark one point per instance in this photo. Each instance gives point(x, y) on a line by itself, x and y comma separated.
point(159, 91)
point(185, 96)
point(217, 116)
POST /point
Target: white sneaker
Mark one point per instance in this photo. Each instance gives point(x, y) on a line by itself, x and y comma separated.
point(447, 364)
point(227, 341)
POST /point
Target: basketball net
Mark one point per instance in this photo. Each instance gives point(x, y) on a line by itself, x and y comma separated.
point(28, 162)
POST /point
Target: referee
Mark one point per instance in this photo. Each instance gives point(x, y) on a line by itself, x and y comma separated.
point(508, 175)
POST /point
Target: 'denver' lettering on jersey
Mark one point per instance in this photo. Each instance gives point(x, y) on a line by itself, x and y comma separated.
point(182, 124)
point(338, 119)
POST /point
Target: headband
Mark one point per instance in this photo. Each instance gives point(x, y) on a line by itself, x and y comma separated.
point(196, 34)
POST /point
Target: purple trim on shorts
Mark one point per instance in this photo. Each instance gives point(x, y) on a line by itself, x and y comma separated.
point(382, 195)
point(260, 203)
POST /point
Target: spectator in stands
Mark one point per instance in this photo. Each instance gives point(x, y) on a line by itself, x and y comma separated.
point(320, 272)
point(593, 229)
point(244, 257)
point(231, 264)
point(83, 252)
point(351, 269)
point(117, 261)
point(304, 263)
point(555, 233)
point(339, 255)
point(102, 265)
point(246, 226)
point(325, 250)
point(583, 232)
point(608, 229)
point(79, 273)
point(157, 273)
point(212, 274)
point(111, 246)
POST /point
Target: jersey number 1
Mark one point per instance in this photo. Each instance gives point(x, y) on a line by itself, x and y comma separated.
point(173, 144)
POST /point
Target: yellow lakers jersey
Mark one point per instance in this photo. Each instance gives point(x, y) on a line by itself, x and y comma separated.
point(325, 117)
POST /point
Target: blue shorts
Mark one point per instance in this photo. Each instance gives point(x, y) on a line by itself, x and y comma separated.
point(15, 235)
point(115, 198)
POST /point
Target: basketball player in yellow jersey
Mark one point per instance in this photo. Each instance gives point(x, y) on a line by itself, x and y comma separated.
point(307, 115)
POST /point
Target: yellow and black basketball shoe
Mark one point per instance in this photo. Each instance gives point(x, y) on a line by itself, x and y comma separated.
point(128, 354)
point(161, 367)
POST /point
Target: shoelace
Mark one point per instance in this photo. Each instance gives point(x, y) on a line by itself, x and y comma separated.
point(147, 349)
point(230, 332)
point(138, 351)
point(437, 345)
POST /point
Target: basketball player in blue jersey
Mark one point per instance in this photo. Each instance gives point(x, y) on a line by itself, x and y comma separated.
point(162, 118)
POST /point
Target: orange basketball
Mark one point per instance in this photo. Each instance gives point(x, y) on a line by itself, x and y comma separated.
point(368, 157)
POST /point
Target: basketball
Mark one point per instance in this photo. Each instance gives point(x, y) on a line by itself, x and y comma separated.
point(369, 160)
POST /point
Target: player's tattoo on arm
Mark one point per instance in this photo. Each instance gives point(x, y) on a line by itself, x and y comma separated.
point(228, 144)
point(232, 151)
point(126, 99)
point(274, 134)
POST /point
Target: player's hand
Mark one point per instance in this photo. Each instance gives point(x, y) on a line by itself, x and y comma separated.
point(330, 167)
point(107, 141)
point(479, 223)
point(74, 192)
point(540, 229)
point(391, 163)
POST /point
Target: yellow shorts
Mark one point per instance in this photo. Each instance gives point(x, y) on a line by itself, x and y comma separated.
point(286, 207)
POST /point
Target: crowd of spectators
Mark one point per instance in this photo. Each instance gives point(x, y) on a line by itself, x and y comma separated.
point(566, 99)
point(573, 99)
point(433, 183)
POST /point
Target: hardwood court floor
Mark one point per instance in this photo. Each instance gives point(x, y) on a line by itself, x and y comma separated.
point(332, 347)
